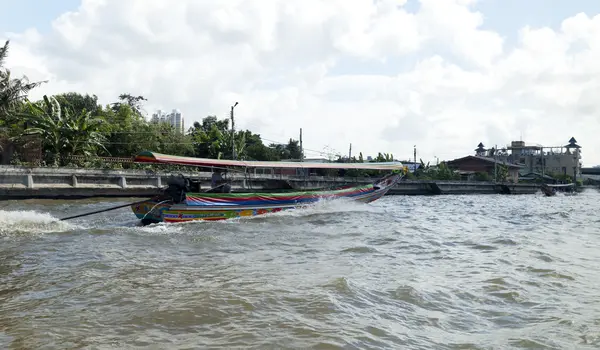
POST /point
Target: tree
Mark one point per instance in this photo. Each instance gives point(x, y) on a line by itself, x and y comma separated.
point(77, 102)
point(134, 102)
point(13, 92)
point(293, 150)
point(383, 157)
point(279, 151)
point(423, 171)
point(209, 138)
point(63, 134)
point(167, 140)
point(443, 172)
point(502, 173)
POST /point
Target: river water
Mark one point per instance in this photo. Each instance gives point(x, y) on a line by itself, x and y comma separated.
point(444, 272)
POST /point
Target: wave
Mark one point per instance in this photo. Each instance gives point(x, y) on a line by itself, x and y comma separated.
point(30, 222)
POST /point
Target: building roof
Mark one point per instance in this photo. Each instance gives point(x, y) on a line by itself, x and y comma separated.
point(535, 175)
point(590, 171)
point(486, 159)
point(572, 143)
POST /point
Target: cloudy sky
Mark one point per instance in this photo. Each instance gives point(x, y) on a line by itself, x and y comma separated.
point(384, 75)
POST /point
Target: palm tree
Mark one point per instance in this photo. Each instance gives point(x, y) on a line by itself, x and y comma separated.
point(12, 91)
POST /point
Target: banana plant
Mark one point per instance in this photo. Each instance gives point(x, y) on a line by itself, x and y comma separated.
point(61, 133)
point(83, 135)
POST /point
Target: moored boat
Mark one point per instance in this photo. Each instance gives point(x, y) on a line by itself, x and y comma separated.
point(180, 202)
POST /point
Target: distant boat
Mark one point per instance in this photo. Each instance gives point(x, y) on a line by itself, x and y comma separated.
point(183, 201)
point(552, 190)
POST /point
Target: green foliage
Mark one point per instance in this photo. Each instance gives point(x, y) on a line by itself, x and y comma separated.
point(482, 176)
point(562, 177)
point(78, 103)
point(441, 172)
point(383, 157)
point(134, 102)
point(211, 138)
point(502, 173)
point(63, 132)
point(13, 91)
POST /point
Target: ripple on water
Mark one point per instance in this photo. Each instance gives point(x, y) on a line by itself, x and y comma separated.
point(448, 272)
point(548, 273)
point(360, 250)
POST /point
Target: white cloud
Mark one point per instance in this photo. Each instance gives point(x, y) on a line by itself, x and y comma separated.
point(278, 58)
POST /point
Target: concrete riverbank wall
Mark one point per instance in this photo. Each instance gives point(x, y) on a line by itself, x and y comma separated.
point(23, 183)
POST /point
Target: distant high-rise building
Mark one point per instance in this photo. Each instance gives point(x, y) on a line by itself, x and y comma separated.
point(174, 119)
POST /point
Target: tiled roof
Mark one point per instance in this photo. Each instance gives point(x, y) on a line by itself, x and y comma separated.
point(487, 159)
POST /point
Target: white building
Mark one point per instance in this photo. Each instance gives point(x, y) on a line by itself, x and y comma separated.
point(174, 119)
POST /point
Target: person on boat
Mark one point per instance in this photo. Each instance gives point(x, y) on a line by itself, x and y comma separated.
point(218, 184)
point(216, 179)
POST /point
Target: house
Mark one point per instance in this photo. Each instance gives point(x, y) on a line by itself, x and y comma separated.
point(471, 165)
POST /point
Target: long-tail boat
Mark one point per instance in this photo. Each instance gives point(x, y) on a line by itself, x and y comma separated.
point(550, 190)
point(183, 201)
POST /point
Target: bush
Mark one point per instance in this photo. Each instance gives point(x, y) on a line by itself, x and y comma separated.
point(482, 176)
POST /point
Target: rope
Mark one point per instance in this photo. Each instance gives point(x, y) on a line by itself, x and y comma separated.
point(103, 210)
point(156, 205)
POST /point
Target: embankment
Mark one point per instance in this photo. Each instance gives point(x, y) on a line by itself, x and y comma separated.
point(23, 183)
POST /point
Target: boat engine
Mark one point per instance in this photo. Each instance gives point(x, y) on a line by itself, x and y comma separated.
point(177, 188)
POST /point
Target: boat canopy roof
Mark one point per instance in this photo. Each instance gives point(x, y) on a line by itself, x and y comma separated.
point(560, 185)
point(151, 157)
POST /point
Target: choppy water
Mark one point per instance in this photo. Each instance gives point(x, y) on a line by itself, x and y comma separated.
point(448, 272)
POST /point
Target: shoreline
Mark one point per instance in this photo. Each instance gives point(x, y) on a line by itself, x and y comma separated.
point(67, 183)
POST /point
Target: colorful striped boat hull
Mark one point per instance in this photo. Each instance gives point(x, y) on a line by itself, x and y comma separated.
point(223, 206)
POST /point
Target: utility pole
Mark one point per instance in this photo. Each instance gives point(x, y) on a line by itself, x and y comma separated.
point(495, 163)
point(543, 163)
point(301, 148)
point(350, 153)
point(234, 156)
point(415, 155)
